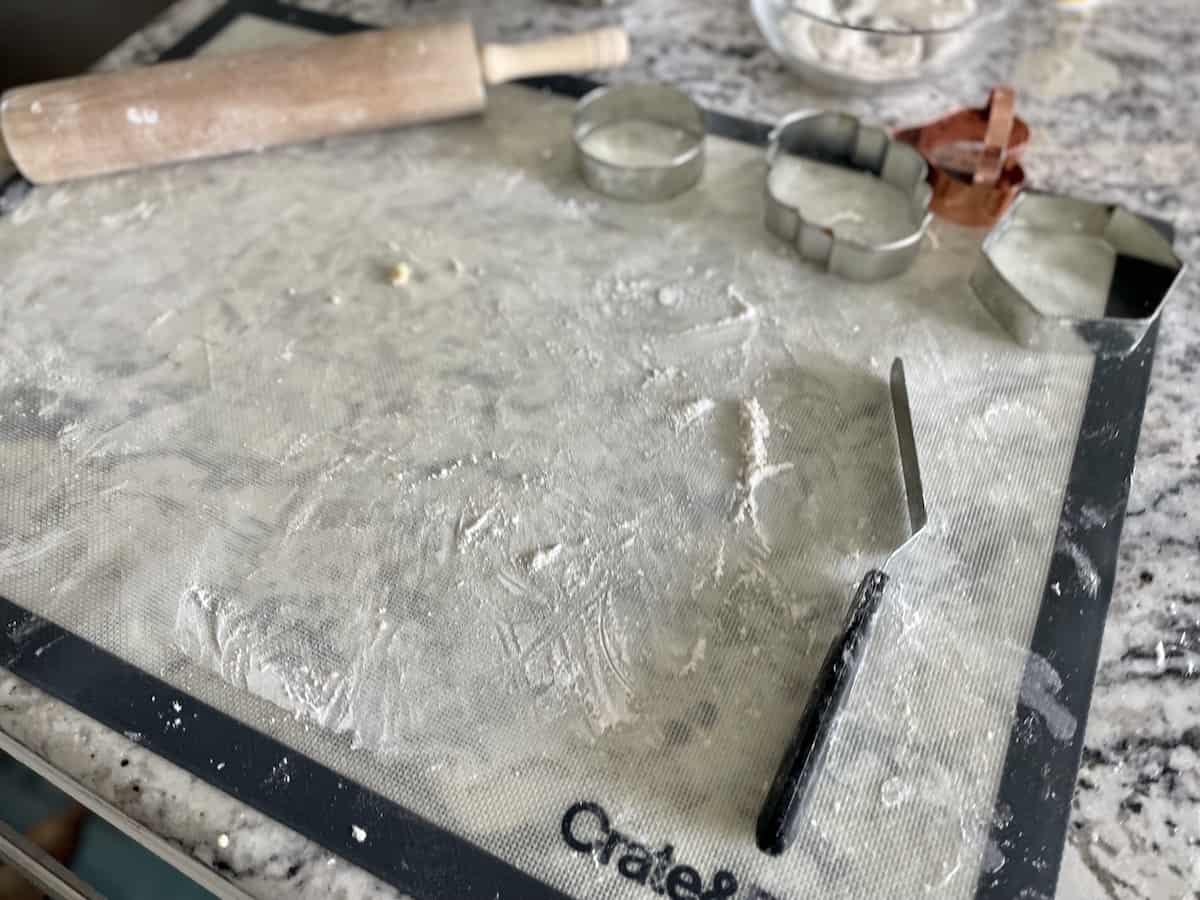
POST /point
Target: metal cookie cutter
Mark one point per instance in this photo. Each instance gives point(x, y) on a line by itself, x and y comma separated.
point(973, 157)
point(791, 790)
point(841, 139)
point(1145, 271)
point(630, 173)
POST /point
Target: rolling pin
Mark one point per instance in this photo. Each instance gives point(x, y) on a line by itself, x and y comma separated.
point(200, 108)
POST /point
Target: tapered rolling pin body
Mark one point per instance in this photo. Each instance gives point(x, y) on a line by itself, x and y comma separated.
point(192, 109)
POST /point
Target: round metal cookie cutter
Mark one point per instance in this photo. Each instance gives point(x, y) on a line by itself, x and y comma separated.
point(640, 179)
point(841, 139)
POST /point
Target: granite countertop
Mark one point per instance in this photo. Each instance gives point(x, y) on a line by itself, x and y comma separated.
point(1114, 101)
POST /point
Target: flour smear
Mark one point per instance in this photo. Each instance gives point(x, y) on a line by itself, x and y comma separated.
point(755, 469)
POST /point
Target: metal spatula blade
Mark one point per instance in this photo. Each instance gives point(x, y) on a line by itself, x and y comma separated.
point(788, 797)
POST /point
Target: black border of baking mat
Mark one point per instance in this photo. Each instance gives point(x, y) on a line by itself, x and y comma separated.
point(1034, 797)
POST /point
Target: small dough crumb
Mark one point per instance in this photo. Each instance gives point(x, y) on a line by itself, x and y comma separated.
point(223, 841)
point(696, 658)
point(359, 834)
point(538, 559)
point(400, 275)
point(335, 299)
point(693, 412)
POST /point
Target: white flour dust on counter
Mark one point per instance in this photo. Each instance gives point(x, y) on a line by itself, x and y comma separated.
point(694, 412)
point(142, 115)
point(1040, 688)
point(337, 523)
point(695, 658)
point(536, 560)
point(755, 429)
point(472, 530)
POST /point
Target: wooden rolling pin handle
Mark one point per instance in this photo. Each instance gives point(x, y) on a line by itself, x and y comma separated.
point(604, 48)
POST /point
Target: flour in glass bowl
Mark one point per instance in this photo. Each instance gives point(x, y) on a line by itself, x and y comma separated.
point(891, 15)
point(894, 43)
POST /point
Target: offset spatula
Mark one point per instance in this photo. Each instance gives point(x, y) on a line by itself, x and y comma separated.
point(791, 790)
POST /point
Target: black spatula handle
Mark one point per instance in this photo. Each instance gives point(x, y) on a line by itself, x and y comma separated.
point(790, 791)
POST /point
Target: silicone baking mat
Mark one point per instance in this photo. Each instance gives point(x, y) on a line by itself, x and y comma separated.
point(510, 579)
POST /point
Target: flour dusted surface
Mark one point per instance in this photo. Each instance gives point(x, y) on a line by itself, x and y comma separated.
point(338, 522)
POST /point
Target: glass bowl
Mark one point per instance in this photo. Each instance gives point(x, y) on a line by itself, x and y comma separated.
point(865, 46)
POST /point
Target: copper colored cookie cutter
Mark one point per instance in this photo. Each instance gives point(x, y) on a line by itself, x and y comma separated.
point(973, 159)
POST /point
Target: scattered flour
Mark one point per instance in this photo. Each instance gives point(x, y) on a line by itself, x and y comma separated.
point(857, 205)
point(693, 413)
point(746, 313)
point(637, 143)
point(697, 657)
point(281, 634)
point(894, 791)
point(845, 215)
point(1062, 274)
point(536, 560)
point(142, 115)
point(661, 375)
point(469, 532)
point(279, 773)
point(1040, 687)
point(139, 212)
point(1089, 577)
point(755, 429)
